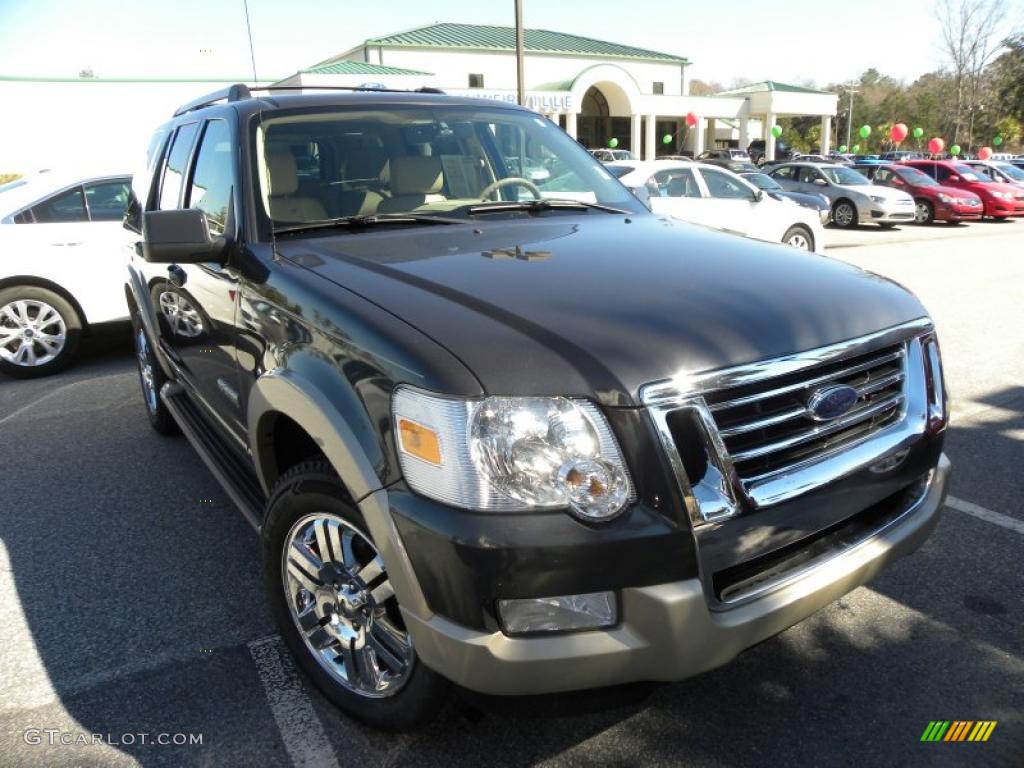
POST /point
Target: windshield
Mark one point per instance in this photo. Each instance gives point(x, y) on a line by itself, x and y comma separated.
point(318, 165)
point(12, 185)
point(916, 178)
point(762, 181)
point(1012, 171)
point(845, 176)
point(969, 174)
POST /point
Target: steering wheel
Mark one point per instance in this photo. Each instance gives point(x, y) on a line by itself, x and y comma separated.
point(511, 181)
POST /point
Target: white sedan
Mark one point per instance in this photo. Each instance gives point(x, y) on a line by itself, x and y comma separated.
point(717, 198)
point(62, 262)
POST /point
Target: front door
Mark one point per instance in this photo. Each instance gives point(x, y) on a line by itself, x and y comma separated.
point(196, 303)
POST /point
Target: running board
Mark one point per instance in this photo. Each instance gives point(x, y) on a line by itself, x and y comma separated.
point(230, 470)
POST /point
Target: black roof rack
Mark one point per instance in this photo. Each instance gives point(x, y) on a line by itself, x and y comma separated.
point(238, 92)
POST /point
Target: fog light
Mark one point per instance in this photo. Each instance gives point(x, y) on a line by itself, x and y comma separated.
point(564, 613)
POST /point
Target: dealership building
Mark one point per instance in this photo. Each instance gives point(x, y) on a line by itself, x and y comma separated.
point(596, 90)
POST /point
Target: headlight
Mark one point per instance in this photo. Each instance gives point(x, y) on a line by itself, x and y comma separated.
point(877, 199)
point(511, 453)
point(945, 198)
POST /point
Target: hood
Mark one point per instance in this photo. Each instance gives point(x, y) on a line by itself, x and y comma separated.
point(597, 305)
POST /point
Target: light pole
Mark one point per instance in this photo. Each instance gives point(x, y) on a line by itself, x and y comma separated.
point(520, 43)
point(849, 117)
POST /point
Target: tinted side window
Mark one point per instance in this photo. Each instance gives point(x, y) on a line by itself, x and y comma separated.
point(783, 173)
point(174, 172)
point(724, 188)
point(678, 182)
point(883, 176)
point(107, 199)
point(213, 176)
point(67, 206)
point(928, 169)
point(941, 172)
point(808, 175)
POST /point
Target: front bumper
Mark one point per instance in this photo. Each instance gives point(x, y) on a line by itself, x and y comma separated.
point(668, 631)
point(1004, 208)
point(887, 214)
point(957, 212)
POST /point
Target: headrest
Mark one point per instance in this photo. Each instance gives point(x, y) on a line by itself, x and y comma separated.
point(284, 178)
point(416, 175)
point(367, 163)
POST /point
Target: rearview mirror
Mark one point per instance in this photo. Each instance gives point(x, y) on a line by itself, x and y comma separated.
point(179, 237)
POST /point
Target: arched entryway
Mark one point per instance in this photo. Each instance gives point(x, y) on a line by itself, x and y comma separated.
point(606, 95)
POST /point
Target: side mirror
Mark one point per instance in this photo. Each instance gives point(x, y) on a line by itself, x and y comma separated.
point(179, 237)
point(954, 177)
point(821, 182)
point(758, 195)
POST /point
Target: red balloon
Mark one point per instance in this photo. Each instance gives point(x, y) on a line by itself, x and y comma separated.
point(691, 119)
point(985, 153)
point(936, 145)
point(898, 132)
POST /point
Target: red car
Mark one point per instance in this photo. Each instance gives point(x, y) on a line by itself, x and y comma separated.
point(1001, 200)
point(933, 201)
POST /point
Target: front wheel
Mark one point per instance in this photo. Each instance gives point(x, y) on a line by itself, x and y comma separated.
point(39, 332)
point(924, 213)
point(844, 215)
point(152, 379)
point(799, 237)
point(330, 592)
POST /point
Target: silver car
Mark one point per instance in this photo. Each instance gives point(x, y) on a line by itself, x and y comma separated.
point(854, 198)
point(1005, 173)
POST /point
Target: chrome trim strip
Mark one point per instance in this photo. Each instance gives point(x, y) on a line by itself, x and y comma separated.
point(685, 383)
point(882, 360)
point(827, 428)
point(768, 421)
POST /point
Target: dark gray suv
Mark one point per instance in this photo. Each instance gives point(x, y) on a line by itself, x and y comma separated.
point(518, 435)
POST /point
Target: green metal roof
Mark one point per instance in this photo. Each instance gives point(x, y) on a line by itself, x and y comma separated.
point(480, 37)
point(349, 67)
point(771, 85)
point(42, 79)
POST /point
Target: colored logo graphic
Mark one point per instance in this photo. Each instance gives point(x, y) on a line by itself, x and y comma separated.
point(959, 730)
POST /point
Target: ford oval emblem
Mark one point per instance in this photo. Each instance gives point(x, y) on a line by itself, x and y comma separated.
point(831, 402)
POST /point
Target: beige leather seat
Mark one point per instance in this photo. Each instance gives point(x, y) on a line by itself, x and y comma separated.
point(285, 205)
point(415, 181)
point(362, 175)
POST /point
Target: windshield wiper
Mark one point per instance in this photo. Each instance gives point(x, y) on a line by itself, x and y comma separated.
point(366, 222)
point(537, 206)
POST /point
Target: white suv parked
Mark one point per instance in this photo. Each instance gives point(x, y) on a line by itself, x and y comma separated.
point(62, 262)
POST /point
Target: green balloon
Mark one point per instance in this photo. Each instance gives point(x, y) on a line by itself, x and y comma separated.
point(776, 131)
point(918, 133)
point(955, 149)
point(842, 148)
point(997, 140)
point(855, 149)
point(666, 139)
point(865, 131)
point(613, 142)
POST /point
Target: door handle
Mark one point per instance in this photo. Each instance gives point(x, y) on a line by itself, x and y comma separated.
point(176, 275)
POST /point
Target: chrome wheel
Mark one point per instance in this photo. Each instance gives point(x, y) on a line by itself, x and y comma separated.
point(146, 370)
point(32, 333)
point(844, 215)
point(799, 240)
point(342, 603)
point(182, 317)
point(922, 212)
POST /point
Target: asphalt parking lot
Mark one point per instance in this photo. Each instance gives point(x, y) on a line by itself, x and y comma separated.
point(130, 601)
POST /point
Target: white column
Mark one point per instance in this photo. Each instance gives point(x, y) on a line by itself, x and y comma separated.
point(650, 148)
point(744, 133)
point(634, 135)
point(826, 134)
point(769, 139)
point(570, 123)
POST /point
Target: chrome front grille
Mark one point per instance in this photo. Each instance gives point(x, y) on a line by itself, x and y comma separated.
point(767, 427)
point(745, 438)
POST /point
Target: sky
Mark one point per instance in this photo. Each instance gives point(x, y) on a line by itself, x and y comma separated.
point(785, 40)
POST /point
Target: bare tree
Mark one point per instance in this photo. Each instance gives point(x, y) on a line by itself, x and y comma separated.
point(970, 42)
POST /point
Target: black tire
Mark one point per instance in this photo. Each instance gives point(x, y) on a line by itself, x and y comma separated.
point(312, 487)
point(151, 380)
point(802, 237)
point(39, 302)
point(886, 225)
point(844, 214)
point(924, 211)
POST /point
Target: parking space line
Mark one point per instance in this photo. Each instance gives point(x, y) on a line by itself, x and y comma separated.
point(301, 731)
point(996, 518)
